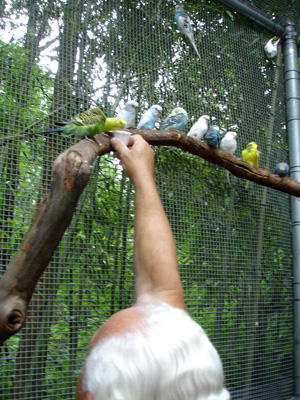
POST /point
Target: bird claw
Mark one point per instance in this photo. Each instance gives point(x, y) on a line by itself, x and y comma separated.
point(90, 140)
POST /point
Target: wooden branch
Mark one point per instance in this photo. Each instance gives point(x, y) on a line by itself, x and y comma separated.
point(71, 171)
point(235, 165)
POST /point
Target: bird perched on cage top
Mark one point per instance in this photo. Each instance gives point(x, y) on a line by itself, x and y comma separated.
point(87, 124)
point(212, 136)
point(184, 25)
point(282, 169)
point(178, 119)
point(199, 129)
point(229, 144)
point(128, 113)
point(251, 154)
point(271, 48)
point(150, 117)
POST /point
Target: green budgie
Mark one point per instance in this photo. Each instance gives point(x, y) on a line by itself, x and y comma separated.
point(87, 124)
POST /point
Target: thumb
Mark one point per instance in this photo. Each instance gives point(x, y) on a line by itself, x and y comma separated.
point(117, 144)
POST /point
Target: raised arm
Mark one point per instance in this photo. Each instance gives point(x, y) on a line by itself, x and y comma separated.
point(155, 259)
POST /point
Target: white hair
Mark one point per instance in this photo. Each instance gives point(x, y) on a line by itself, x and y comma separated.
point(168, 356)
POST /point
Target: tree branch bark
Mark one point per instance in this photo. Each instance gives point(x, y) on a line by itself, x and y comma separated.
point(70, 175)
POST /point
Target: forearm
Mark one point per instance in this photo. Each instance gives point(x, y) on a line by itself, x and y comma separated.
point(155, 259)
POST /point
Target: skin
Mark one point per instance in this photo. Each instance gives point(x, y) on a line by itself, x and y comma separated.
point(155, 258)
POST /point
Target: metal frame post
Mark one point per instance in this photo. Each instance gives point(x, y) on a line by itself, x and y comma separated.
point(291, 78)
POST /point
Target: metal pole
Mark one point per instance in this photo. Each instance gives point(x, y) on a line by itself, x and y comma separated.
point(254, 16)
point(291, 78)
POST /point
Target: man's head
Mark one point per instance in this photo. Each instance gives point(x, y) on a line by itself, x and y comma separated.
point(167, 356)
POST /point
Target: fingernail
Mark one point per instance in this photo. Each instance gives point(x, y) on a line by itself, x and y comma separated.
point(114, 140)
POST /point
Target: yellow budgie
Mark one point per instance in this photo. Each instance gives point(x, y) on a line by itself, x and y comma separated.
point(251, 155)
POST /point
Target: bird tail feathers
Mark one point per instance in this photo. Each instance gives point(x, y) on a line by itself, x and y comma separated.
point(196, 50)
point(227, 176)
point(49, 131)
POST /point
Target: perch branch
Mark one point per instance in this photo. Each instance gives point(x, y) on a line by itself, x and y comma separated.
point(235, 165)
point(70, 175)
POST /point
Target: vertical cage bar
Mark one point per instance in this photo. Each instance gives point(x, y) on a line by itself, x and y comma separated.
point(291, 77)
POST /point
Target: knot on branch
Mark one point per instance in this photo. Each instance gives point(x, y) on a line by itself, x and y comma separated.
point(12, 316)
point(15, 320)
point(72, 168)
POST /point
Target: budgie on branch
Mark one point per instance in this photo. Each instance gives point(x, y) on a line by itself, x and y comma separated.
point(251, 154)
point(229, 144)
point(150, 117)
point(178, 119)
point(199, 129)
point(87, 124)
point(282, 169)
point(212, 136)
point(184, 25)
point(128, 113)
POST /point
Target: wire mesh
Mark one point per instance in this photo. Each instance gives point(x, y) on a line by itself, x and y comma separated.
point(279, 11)
point(234, 247)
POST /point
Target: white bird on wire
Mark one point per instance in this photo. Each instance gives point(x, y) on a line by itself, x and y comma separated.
point(229, 144)
point(199, 129)
point(128, 113)
point(271, 48)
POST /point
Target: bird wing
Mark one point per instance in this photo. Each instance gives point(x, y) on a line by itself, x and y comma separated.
point(122, 113)
point(183, 22)
point(146, 117)
point(88, 117)
point(228, 144)
point(255, 158)
point(245, 155)
point(251, 156)
point(172, 119)
point(212, 133)
point(198, 129)
point(193, 129)
point(186, 24)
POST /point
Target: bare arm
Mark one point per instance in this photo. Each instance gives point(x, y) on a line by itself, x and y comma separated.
point(155, 259)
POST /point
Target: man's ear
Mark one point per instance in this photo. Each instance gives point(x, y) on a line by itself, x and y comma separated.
point(89, 396)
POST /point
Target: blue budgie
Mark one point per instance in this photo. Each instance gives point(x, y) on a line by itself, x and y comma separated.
point(178, 119)
point(282, 169)
point(184, 25)
point(150, 117)
point(212, 136)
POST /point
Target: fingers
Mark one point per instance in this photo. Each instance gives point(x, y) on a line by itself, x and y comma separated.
point(137, 159)
point(118, 145)
point(121, 148)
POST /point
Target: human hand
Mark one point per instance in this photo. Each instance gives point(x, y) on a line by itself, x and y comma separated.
point(137, 158)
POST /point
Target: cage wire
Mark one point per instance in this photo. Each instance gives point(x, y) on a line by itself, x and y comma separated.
point(59, 58)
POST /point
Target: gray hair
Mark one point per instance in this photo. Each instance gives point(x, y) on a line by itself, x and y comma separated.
point(167, 357)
